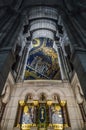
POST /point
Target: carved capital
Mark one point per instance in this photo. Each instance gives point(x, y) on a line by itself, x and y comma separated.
point(63, 102)
point(22, 102)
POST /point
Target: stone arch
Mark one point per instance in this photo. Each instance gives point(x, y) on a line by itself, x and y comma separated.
point(29, 96)
point(59, 92)
point(25, 92)
point(43, 96)
point(56, 97)
point(45, 92)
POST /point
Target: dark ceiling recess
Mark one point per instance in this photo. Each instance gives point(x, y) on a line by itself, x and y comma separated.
point(71, 5)
point(5, 2)
point(26, 27)
point(60, 29)
point(41, 2)
point(22, 4)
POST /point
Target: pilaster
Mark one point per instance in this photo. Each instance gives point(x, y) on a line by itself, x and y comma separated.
point(6, 61)
point(79, 62)
point(78, 44)
point(10, 27)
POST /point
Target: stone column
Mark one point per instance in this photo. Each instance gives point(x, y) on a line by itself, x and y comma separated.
point(65, 115)
point(74, 20)
point(10, 27)
point(35, 102)
point(2, 108)
point(49, 103)
point(20, 112)
point(61, 63)
point(50, 120)
point(82, 112)
point(21, 64)
point(6, 61)
point(25, 61)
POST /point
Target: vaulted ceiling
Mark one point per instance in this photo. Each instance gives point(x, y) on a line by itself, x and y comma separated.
point(71, 5)
point(30, 2)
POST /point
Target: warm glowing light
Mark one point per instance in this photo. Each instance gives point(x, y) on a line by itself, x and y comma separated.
point(35, 102)
point(63, 102)
point(22, 102)
point(49, 103)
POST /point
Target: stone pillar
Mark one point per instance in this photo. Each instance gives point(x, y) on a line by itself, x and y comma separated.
point(82, 112)
point(49, 103)
point(35, 112)
point(2, 108)
point(74, 20)
point(10, 27)
point(35, 102)
point(25, 61)
point(61, 63)
point(50, 120)
point(79, 62)
point(6, 61)
point(65, 115)
point(19, 113)
point(21, 64)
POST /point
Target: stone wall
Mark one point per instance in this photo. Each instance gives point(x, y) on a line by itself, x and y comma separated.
point(49, 87)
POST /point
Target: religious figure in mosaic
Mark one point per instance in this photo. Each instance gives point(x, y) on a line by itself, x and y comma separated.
point(57, 116)
point(26, 118)
point(28, 115)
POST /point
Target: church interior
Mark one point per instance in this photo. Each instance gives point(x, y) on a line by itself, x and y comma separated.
point(42, 65)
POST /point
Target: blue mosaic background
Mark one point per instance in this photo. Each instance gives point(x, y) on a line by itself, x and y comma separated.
point(42, 61)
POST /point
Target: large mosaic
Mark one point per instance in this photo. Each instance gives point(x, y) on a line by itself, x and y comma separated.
point(42, 61)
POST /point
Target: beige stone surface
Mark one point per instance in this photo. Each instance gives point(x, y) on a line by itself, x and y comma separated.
point(76, 124)
point(73, 113)
point(71, 101)
point(16, 128)
point(68, 128)
point(50, 128)
point(33, 128)
point(13, 102)
point(10, 124)
point(63, 89)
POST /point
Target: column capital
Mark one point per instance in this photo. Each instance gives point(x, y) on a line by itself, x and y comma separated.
point(22, 102)
point(49, 102)
point(35, 102)
point(63, 103)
